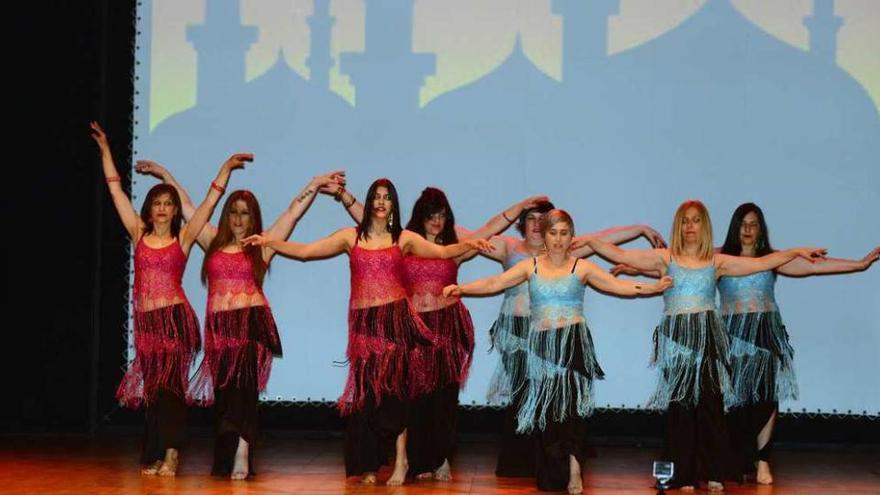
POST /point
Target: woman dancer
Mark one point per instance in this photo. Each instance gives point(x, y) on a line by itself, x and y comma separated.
point(240, 333)
point(510, 331)
point(690, 344)
point(166, 331)
point(761, 355)
point(390, 350)
point(561, 362)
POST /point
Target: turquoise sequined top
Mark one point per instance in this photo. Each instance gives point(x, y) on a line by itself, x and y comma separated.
point(692, 291)
point(749, 294)
point(556, 303)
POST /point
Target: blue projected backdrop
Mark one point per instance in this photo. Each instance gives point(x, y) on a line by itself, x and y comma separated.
point(616, 109)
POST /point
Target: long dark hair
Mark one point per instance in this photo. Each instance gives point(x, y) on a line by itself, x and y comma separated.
point(430, 202)
point(732, 244)
point(152, 194)
point(542, 207)
point(393, 220)
point(225, 236)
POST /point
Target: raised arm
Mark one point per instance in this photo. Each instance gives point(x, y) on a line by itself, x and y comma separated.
point(284, 225)
point(800, 267)
point(412, 243)
point(516, 275)
point(148, 167)
point(500, 222)
point(336, 243)
point(127, 214)
point(616, 235)
point(603, 281)
point(640, 259)
point(215, 192)
point(738, 266)
point(353, 207)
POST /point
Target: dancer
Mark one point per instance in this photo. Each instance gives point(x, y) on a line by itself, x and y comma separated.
point(509, 333)
point(561, 362)
point(760, 352)
point(166, 331)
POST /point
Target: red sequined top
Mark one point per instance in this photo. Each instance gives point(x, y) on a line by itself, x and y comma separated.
point(426, 278)
point(158, 274)
point(377, 276)
point(231, 283)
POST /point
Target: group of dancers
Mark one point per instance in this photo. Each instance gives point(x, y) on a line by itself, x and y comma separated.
point(411, 339)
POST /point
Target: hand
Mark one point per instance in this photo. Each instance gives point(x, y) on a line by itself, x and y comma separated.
point(336, 182)
point(533, 201)
point(336, 178)
point(100, 137)
point(661, 285)
point(481, 245)
point(256, 240)
point(238, 160)
point(811, 254)
point(578, 243)
point(871, 257)
point(149, 167)
point(654, 237)
point(616, 270)
point(452, 291)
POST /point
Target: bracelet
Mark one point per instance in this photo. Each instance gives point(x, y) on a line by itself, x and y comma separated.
point(217, 188)
point(338, 194)
point(504, 214)
point(353, 200)
point(114, 178)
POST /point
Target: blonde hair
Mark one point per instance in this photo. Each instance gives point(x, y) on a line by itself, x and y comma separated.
point(553, 217)
point(705, 246)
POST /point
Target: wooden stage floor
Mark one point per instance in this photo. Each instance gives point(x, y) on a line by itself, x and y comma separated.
point(292, 465)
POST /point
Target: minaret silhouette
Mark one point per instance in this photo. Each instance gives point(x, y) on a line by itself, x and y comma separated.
point(823, 26)
point(319, 60)
point(221, 44)
point(388, 76)
point(584, 35)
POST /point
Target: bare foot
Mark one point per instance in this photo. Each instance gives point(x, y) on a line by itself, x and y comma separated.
point(369, 479)
point(169, 465)
point(764, 475)
point(575, 482)
point(444, 472)
point(398, 476)
point(687, 488)
point(715, 486)
point(152, 469)
point(240, 466)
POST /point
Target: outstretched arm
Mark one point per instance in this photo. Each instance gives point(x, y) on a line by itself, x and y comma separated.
point(616, 235)
point(800, 267)
point(500, 222)
point(590, 273)
point(517, 274)
point(336, 243)
point(738, 266)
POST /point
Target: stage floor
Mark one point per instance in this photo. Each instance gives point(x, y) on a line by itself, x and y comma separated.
point(290, 464)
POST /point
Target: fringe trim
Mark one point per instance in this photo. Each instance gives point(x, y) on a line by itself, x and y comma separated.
point(165, 341)
point(761, 358)
point(561, 366)
point(683, 345)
